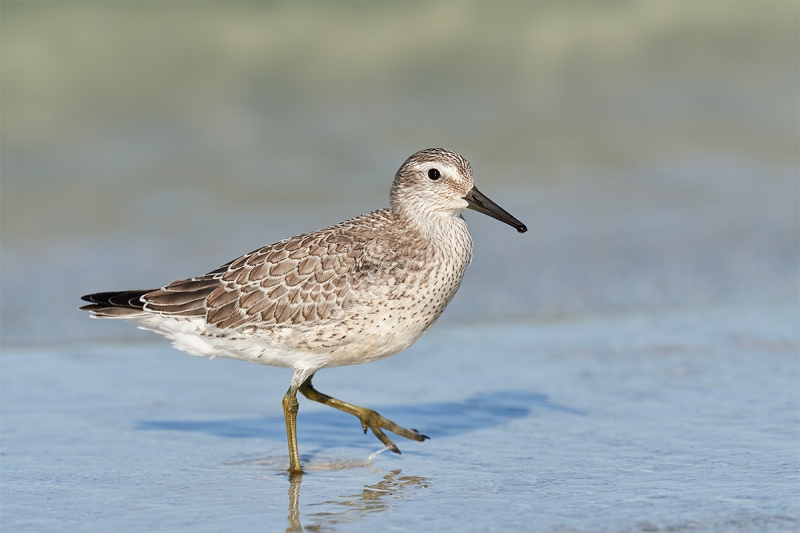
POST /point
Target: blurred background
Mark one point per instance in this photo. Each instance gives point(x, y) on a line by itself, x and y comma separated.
point(650, 147)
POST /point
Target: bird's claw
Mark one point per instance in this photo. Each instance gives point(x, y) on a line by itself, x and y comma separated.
point(377, 423)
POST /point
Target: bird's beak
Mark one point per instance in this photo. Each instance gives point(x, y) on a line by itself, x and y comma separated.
point(480, 203)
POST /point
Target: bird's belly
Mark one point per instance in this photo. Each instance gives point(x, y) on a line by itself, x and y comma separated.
point(362, 338)
point(358, 339)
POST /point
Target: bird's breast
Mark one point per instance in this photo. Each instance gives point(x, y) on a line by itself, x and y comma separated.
point(399, 303)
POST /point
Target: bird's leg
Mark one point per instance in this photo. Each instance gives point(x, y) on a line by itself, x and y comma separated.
point(369, 418)
point(290, 408)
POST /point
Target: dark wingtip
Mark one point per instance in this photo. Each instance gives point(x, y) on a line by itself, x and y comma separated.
point(126, 299)
point(522, 228)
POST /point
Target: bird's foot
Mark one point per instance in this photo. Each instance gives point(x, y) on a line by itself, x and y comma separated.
point(377, 423)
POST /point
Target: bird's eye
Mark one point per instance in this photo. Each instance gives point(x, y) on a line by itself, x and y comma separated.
point(434, 174)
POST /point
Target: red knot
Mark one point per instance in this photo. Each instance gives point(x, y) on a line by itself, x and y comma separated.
point(352, 293)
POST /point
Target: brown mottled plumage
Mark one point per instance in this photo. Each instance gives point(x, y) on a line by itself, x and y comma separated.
point(355, 292)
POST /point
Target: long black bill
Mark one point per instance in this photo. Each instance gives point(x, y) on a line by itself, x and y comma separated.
point(480, 203)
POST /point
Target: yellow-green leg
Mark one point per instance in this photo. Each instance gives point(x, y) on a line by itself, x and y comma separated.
point(369, 418)
point(290, 408)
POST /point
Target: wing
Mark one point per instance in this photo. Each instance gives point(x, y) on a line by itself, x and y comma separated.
point(117, 304)
point(298, 281)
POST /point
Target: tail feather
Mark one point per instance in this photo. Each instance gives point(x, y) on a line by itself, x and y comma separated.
point(117, 303)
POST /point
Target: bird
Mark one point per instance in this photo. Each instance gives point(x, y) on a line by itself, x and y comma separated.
point(352, 293)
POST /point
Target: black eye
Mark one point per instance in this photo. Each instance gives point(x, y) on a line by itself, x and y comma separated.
point(434, 174)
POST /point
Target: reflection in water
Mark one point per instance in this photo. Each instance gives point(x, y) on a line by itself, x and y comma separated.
point(294, 504)
point(349, 508)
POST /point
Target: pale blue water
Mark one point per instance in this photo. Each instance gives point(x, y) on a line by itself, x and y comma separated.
point(629, 364)
point(679, 421)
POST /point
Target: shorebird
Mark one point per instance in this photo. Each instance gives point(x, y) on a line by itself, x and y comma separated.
point(355, 292)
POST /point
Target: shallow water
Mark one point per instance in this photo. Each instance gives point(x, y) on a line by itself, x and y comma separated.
point(629, 364)
point(601, 423)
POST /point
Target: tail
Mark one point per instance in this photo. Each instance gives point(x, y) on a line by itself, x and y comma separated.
point(118, 304)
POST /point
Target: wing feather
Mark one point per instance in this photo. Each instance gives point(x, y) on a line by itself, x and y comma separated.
point(303, 280)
